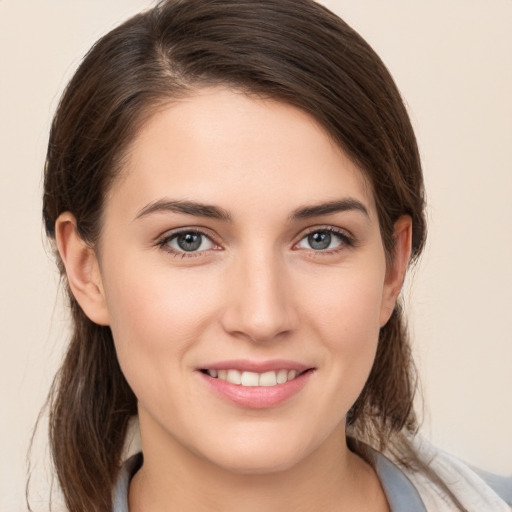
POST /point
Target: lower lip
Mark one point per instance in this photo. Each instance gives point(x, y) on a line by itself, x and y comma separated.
point(257, 397)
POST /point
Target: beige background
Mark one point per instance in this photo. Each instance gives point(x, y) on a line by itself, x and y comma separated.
point(452, 59)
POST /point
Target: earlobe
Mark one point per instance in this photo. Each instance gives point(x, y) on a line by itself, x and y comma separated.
point(82, 269)
point(397, 268)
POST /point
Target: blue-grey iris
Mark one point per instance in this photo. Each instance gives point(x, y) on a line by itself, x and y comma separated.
point(319, 240)
point(189, 241)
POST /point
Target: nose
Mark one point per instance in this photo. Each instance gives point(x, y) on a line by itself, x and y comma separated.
point(259, 304)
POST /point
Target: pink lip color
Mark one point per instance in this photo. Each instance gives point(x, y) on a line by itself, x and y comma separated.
point(244, 365)
point(256, 397)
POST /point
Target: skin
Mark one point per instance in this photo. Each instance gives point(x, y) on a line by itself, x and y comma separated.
point(256, 290)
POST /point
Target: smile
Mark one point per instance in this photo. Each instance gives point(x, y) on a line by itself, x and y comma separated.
point(253, 379)
point(256, 384)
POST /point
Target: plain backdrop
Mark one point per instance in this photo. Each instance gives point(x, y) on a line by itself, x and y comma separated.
point(452, 60)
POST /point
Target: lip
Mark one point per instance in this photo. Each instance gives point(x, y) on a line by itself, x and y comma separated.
point(257, 397)
point(246, 365)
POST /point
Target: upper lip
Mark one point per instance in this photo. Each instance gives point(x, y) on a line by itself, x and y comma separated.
point(246, 365)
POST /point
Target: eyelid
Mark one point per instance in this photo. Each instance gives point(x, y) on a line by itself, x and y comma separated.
point(163, 240)
point(348, 239)
point(346, 236)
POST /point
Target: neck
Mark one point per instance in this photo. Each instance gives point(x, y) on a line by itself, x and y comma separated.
point(332, 478)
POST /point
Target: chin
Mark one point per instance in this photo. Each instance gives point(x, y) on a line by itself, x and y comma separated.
point(258, 458)
point(258, 464)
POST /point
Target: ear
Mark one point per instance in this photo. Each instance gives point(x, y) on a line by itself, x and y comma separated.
point(395, 273)
point(82, 269)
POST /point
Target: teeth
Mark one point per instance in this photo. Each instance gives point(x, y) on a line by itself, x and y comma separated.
point(249, 379)
point(268, 379)
point(234, 376)
point(252, 378)
point(282, 376)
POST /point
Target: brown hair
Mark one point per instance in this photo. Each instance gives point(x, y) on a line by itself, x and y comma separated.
point(295, 51)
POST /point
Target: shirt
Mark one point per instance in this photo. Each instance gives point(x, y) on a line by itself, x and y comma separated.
point(406, 491)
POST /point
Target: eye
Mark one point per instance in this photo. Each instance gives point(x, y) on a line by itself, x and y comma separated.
point(188, 241)
point(323, 240)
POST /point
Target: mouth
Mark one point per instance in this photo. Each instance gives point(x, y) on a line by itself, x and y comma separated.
point(256, 384)
point(254, 379)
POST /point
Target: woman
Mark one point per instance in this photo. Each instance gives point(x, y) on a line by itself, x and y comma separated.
point(235, 192)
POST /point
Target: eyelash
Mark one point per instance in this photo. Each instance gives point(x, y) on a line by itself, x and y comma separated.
point(163, 243)
point(346, 241)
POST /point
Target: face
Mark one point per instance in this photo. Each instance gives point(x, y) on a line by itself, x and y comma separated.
point(244, 280)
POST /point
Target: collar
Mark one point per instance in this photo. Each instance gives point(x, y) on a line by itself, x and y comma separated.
point(401, 494)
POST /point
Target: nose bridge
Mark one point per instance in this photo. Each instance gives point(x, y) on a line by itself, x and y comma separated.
point(260, 304)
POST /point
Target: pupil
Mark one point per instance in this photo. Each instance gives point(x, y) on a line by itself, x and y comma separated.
point(189, 241)
point(319, 240)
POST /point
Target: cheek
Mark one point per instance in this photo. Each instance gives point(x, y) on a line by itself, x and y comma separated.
point(345, 302)
point(156, 316)
point(353, 333)
point(344, 313)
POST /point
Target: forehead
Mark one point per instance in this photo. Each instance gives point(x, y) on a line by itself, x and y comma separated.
point(225, 146)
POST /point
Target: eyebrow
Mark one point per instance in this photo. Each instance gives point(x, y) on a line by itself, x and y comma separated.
point(215, 212)
point(186, 207)
point(342, 205)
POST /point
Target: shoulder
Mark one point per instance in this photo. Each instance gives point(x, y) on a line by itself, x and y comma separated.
point(502, 485)
point(476, 490)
